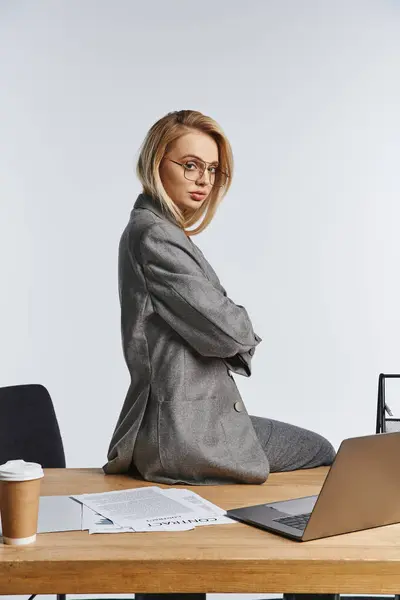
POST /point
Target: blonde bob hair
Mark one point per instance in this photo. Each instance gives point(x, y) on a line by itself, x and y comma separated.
point(158, 141)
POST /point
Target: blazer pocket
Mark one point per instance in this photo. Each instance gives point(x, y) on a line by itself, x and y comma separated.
point(191, 439)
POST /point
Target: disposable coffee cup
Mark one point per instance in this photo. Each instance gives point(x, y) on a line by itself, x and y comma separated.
point(19, 501)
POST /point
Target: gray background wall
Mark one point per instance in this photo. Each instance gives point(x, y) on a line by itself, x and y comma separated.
point(307, 239)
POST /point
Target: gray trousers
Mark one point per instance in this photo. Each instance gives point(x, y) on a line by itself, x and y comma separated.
point(288, 448)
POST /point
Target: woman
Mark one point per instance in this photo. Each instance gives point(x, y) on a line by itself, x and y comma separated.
point(183, 420)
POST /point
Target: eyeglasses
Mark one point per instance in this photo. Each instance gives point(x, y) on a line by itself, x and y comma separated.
point(194, 169)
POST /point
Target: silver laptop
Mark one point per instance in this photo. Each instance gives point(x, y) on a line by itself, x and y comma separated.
point(361, 491)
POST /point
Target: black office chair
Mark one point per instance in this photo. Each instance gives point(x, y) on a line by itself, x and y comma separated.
point(29, 427)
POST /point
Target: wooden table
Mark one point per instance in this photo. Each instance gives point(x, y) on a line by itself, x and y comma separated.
point(224, 558)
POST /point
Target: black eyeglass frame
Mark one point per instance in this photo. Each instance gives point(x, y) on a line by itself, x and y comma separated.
point(203, 161)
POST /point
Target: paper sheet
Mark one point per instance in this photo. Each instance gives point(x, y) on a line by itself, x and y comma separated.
point(148, 509)
point(134, 507)
point(206, 513)
point(96, 523)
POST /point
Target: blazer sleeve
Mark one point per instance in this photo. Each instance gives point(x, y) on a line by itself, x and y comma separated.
point(241, 362)
point(186, 299)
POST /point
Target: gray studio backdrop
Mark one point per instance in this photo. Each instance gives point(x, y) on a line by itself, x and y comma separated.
point(307, 239)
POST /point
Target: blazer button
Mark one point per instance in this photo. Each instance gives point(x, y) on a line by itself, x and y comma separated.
point(238, 406)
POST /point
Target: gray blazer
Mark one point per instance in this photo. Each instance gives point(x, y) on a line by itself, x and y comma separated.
point(183, 420)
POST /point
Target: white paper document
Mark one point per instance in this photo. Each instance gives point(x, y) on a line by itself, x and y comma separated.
point(148, 509)
point(206, 513)
point(127, 508)
point(96, 523)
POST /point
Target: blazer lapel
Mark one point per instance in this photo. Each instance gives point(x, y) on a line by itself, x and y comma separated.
point(145, 201)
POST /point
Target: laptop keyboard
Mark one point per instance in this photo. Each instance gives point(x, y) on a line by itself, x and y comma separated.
point(296, 521)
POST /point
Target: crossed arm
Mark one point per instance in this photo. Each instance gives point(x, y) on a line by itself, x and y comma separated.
point(188, 301)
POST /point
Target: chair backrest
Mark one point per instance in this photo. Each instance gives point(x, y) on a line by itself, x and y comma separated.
point(29, 427)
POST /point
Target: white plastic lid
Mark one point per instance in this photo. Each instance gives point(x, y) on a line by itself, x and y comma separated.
point(19, 470)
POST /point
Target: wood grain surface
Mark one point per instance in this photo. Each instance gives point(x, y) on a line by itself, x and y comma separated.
point(214, 559)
